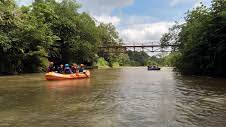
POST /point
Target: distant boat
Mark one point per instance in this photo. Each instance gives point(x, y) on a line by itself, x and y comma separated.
point(153, 68)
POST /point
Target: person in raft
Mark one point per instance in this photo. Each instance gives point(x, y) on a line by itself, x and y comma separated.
point(51, 67)
point(67, 69)
point(74, 68)
point(60, 69)
point(82, 68)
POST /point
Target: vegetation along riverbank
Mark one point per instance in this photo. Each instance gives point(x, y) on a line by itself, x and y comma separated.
point(47, 30)
point(201, 40)
point(30, 36)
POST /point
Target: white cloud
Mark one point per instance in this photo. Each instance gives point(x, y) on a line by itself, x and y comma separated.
point(103, 7)
point(145, 32)
point(24, 2)
point(196, 2)
point(137, 28)
point(176, 2)
point(108, 19)
point(205, 2)
point(135, 19)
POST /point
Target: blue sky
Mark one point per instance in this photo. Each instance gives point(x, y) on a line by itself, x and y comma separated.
point(138, 20)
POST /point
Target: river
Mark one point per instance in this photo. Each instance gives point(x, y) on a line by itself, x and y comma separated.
point(129, 97)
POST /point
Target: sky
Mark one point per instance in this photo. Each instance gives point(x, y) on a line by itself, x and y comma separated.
point(138, 21)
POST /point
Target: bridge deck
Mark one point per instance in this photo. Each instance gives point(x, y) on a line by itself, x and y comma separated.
point(145, 47)
point(136, 46)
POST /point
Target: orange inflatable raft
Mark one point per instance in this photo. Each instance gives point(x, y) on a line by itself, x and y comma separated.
point(52, 76)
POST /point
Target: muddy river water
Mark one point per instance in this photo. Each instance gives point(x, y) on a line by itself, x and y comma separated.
point(128, 97)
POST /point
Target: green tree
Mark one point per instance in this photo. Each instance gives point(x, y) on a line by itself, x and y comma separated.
point(171, 59)
point(138, 58)
point(11, 49)
point(108, 37)
point(202, 40)
point(52, 30)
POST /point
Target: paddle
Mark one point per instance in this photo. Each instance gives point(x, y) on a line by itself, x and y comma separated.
point(85, 73)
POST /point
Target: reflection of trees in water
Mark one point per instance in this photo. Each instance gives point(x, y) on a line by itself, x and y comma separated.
point(68, 87)
point(200, 101)
point(200, 85)
point(68, 83)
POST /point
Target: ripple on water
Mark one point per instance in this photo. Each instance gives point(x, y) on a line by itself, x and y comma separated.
point(128, 97)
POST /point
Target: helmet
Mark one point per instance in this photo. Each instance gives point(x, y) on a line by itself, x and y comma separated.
point(66, 65)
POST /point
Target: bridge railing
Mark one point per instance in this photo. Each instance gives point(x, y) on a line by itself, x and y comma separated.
point(147, 47)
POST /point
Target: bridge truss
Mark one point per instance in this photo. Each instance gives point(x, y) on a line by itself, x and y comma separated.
point(146, 47)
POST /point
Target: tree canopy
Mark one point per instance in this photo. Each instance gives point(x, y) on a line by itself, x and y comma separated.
point(49, 30)
point(201, 40)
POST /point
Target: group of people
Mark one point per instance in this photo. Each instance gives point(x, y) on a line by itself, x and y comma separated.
point(66, 69)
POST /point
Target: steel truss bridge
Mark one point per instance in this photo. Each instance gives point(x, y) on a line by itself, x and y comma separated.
point(146, 47)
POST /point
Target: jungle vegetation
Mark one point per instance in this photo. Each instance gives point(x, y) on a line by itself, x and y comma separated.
point(48, 30)
point(201, 40)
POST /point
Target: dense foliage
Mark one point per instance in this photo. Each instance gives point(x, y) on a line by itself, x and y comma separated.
point(202, 40)
point(138, 58)
point(143, 59)
point(50, 30)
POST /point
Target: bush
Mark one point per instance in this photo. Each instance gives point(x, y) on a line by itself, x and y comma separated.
point(172, 59)
point(115, 65)
point(102, 63)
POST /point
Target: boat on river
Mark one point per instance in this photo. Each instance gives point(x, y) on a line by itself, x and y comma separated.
point(153, 68)
point(53, 76)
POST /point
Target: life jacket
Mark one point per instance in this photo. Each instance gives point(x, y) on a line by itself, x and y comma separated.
point(81, 69)
point(60, 70)
point(67, 70)
point(74, 70)
point(50, 69)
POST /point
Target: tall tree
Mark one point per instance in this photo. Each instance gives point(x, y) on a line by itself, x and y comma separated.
point(202, 40)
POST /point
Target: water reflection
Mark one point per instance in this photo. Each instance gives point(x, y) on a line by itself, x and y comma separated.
point(128, 97)
point(68, 84)
point(200, 101)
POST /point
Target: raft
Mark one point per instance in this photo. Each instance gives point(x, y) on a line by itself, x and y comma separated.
point(52, 76)
point(150, 68)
